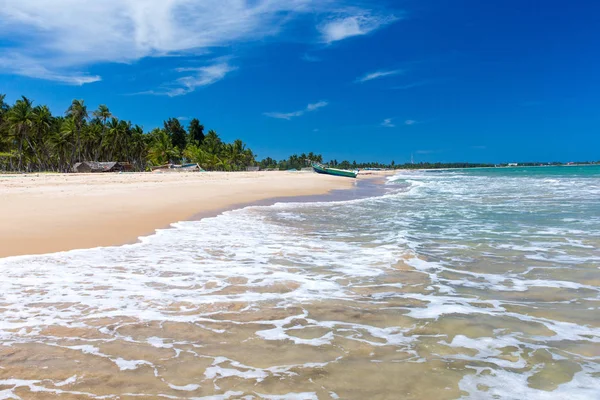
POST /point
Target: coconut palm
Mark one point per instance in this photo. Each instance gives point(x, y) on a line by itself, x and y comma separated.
point(20, 119)
point(161, 149)
point(103, 114)
point(138, 147)
point(212, 142)
point(113, 137)
point(31, 138)
point(78, 112)
point(61, 142)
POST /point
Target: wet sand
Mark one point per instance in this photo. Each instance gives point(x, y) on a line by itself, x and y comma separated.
point(43, 213)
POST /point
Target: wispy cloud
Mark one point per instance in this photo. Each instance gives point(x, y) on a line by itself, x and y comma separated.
point(387, 123)
point(55, 42)
point(25, 66)
point(309, 108)
point(410, 122)
point(426, 151)
point(309, 58)
point(200, 76)
point(413, 85)
point(196, 77)
point(378, 75)
point(353, 23)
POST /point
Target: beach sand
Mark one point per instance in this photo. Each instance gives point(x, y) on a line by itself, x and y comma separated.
point(44, 213)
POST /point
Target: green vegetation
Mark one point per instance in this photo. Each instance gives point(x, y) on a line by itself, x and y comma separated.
point(32, 139)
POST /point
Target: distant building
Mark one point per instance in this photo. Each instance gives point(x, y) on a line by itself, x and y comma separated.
point(513, 164)
point(252, 169)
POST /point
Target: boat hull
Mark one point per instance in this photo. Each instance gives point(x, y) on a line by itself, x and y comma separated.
point(334, 171)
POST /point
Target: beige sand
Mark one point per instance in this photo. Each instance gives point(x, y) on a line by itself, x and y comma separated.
point(42, 213)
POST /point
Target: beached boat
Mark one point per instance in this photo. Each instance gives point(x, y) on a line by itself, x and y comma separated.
point(321, 169)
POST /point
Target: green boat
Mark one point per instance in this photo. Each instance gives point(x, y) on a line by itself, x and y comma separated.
point(321, 169)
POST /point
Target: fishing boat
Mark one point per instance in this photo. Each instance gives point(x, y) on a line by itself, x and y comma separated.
point(321, 169)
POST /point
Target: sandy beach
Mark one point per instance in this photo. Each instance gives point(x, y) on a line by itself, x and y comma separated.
point(43, 213)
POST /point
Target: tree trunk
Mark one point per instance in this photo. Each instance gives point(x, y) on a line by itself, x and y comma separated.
point(20, 164)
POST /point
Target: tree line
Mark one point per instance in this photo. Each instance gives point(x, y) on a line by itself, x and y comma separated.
point(32, 139)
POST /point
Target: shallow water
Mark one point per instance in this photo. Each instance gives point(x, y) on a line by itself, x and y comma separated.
point(455, 284)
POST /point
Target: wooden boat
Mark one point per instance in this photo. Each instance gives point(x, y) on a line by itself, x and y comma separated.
point(321, 169)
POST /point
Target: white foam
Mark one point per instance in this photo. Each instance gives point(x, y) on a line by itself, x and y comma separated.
point(187, 388)
point(290, 396)
point(67, 381)
point(125, 365)
point(158, 342)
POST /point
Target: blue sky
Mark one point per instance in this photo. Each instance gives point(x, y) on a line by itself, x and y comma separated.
point(461, 80)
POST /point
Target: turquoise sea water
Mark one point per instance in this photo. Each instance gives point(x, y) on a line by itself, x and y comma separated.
point(473, 284)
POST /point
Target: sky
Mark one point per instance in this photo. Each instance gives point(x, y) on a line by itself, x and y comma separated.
point(369, 80)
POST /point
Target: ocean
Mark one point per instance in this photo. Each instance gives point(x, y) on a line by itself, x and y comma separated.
point(450, 284)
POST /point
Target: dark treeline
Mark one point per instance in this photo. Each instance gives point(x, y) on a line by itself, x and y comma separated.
point(32, 139)
point(296, 161)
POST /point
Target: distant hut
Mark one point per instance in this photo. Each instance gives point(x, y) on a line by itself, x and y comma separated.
point(93, 166)
point(252, 169)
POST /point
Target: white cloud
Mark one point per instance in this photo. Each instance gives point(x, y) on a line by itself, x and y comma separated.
point(309, 108)
point(30, 68)
point(55, 39)
point(203, 76)
point(387, 123)
point(359, 22)
point(198, 77)
point(316, 106)
point(378, 74)
point(410, 122)
point(412, 85)
point(307, 57)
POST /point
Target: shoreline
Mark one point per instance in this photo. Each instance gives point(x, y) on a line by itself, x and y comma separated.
point(49, 213)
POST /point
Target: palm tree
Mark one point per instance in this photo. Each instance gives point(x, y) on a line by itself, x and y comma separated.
point(213, 162)
point(161, 149)
point(21, 119)
point(196, 154)
point(138, 147)
point(212, 143)
point(103, 114)
point(113, 137)
point(3, 108)
point(78, 112)
point(31, 138)
point(43, 124)
point(61, 141)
